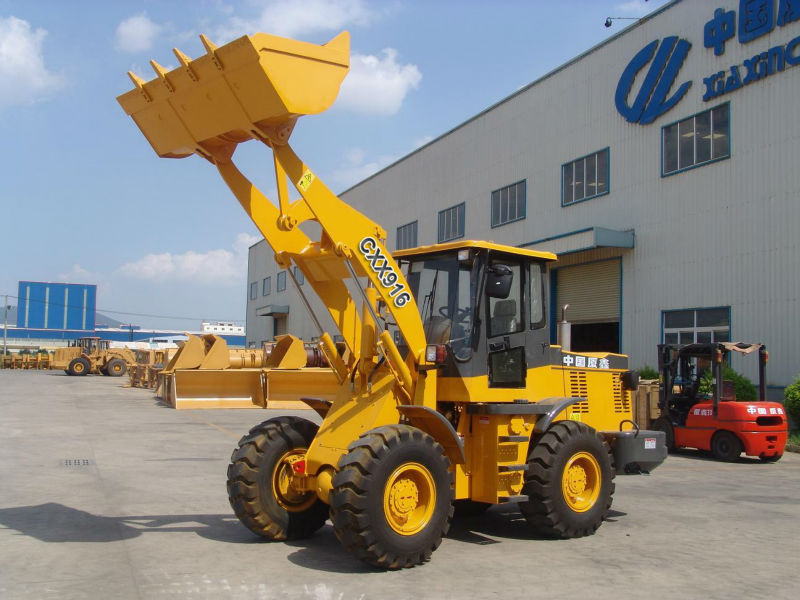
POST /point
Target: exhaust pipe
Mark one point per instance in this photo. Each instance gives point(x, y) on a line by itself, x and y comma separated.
point(565, 330)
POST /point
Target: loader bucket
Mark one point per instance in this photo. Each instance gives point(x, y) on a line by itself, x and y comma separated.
point(188, 356)
point(254, 87)
point(217, 355)
point(288, 353)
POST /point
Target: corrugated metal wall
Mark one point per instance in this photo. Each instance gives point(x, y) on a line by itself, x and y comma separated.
point(56, 306)
point(723, 234)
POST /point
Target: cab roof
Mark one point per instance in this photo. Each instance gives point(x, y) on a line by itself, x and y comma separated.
point(484, 245)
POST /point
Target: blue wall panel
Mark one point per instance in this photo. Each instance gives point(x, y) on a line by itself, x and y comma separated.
point(75, 308)
point(45, 306)
point(22, 303)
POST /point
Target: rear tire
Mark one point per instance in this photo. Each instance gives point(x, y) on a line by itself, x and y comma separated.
point(392, 499)
point(570, 481)
point(79, 366)
point(726, 446)
point(260, 464)
point(116, 367)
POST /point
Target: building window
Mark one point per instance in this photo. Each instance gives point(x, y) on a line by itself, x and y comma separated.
point(696, 140)
point(407, 236)
point(585, 178)
point(298, 275)
point(254, 290)
point(281, 280)
point(508, 204)
point(451, 223)
point(266, 286)
point(696, 325)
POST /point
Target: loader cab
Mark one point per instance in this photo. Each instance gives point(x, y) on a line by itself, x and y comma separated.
point(91, 345)
point(483, 305)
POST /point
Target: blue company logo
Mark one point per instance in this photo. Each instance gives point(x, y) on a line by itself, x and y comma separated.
point(651, 102)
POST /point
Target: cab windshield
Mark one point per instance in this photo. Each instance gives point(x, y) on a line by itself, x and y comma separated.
point(444, 288)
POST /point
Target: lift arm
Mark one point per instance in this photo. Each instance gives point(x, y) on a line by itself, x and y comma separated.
point(256, 87)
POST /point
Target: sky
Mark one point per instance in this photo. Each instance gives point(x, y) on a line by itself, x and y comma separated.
point(84, 199)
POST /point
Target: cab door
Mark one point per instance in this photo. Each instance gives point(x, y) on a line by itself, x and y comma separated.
point(506, 322)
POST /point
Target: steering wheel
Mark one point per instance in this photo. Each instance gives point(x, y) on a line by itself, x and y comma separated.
point(460, 316)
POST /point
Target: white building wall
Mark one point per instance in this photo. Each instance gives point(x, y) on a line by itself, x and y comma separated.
point(723, 234)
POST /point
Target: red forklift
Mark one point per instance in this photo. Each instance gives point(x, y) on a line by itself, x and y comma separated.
point(716, 421)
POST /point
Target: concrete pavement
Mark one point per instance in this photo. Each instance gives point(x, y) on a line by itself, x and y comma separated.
point(107, 493)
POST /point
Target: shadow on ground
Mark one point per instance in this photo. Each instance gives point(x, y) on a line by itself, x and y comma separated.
point(56, 523)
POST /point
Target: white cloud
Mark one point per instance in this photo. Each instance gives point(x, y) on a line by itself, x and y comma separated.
point(78, 274)
point(637, 8)
point(137, 34)
point(24, 78)
point(214, 267)
point(421, 141)
point(290, 18)
point(377, 85)
point(354, 169)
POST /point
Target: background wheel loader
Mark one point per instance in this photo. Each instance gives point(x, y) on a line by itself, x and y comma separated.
point(449, 391)
point(93, 355)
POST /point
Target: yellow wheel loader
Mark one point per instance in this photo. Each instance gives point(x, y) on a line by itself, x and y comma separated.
point(93, 355)
point(450, 395)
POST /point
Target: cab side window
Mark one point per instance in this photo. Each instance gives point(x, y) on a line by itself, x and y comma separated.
point(536, 294)
point(505, 314)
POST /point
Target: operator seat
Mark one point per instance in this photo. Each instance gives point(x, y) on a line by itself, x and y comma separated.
point(504, 317)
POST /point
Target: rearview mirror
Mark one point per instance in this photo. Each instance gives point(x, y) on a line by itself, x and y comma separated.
point(498, 281)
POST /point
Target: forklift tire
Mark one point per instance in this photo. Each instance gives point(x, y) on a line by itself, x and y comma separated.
point(392, 498)
point(469, 508)
point(258, 481)
point(116, 367)
point(664, 424)
point(570, 481)
point(79, 366)
point(726, 446)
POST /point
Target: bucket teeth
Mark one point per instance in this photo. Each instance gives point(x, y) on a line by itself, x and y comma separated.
point(185, 62)
point(137, 81)
point(208, 44)
point(159, 69)
point(211, 49)
point(162, 74)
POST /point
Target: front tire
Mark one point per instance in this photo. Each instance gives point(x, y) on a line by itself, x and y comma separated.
point(116, 367)
point(570, 481)
point(726, 446)
point(259, 476)
point(79, 366)
point(392, 498)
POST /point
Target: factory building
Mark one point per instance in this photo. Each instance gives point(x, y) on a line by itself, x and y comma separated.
point(661, 166)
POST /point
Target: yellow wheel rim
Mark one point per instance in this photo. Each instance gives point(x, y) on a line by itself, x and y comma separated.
point(581, 481)
point(285, 493)
point(78, 367)
point(116, 368)
point(409, 498)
